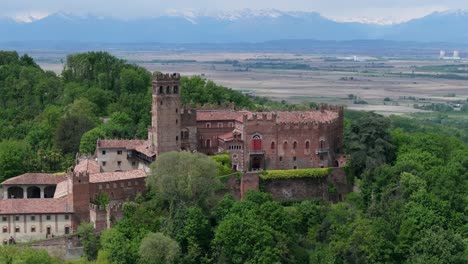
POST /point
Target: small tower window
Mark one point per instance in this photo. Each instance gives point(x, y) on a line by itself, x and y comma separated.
point(208, 143)
point(285, 145)
point(161, 90)
point(294, 145)
point(168, 90)
point(176, 89)
point(176, 110)
point(307, 145)
point(273, 145)
point(208, 125)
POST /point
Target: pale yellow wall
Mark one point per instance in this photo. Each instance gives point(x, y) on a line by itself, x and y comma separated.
point(25, 234)
point(111, 158)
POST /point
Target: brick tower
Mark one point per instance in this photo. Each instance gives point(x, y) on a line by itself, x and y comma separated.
point(164, 133)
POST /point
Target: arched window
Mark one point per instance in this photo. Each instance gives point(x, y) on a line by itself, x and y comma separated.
point(176, 89)
point(257, 142)
point(294, 144)
point(285, 145)
point(322, 144)
point(307, 145)
point(168, 90)
point(272, 145)
point(161, 90)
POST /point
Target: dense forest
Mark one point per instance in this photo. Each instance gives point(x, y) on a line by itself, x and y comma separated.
point(410, 176)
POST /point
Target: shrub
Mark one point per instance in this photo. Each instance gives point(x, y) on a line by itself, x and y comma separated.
point(292, 174)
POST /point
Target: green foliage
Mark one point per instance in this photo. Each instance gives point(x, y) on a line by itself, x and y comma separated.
point(255, 230)
point(102, 199)
point(183, 178)
point(14, 157)
point(156, 248)
point(368, 142)
point(294, 174)
point(223, 162)
point(26, 255)
point(89, 240)
point(89, 139)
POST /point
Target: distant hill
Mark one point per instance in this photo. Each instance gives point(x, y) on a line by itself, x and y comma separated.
point(244, 26)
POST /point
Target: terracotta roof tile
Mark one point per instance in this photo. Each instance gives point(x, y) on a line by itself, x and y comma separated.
point(145, 149)
point(88, 165)
point(226, 137)
point(120, 143)
point(62, 189)
point(35, 178)
point(116, 176)
point(220, 115)
point(36, 206)
point(306, 116)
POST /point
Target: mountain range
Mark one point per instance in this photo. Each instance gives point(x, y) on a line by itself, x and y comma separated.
point(243, 26)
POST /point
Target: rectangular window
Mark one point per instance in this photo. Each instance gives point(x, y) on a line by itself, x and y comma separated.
point(103, 152)
point(208, 125)
point(103, 163)
point(33, 229)
point(67, 230)
point(33, 218)
point(17, 229)
point(119, 163)
point(4, 218)
point(5, 229)
point(281, 158)
point(294, 158)
point(220, 125)
point(107, 186)
point(129, 183)
point(67, 217)
point(100, 187)
point(17, 218)
point(122, 184)
point(48, 217)
point(119, 152)
point(115, 185)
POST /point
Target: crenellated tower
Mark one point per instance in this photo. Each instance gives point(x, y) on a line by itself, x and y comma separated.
point(164, 133)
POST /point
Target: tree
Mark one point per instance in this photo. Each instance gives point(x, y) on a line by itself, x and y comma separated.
point(183, 178)
point(255, 230)
point(14, 157)
point(89, 240)
point(69, 131)
point(369, 144)
point(26, 255)
point(156, 248)
point(89, 139)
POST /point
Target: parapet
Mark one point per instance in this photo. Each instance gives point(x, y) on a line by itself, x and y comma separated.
point(158, 76)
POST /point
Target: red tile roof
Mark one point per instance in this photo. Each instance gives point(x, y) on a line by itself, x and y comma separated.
point(88, 165)
point(35, 178)
point(319, 116)
point(220, 115)
point(306, 116)
point(145, 149)
point(136, 144)
point(120, 143)
point(36, 206)
point(116, 176)
point(63, 189)
point(226, 137)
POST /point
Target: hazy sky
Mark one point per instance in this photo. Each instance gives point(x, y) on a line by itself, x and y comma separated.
point(338, 9)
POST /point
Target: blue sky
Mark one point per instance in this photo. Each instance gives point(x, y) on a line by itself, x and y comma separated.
point(347, 10)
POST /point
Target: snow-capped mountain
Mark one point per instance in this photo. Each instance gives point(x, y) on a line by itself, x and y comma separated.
point(190, 26)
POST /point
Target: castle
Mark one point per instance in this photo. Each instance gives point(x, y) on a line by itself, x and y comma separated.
point(39, 205)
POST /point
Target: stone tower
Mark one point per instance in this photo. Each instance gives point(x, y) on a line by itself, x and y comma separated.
point(164, 133)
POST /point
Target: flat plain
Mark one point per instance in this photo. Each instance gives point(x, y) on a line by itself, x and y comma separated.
point(387, 85)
